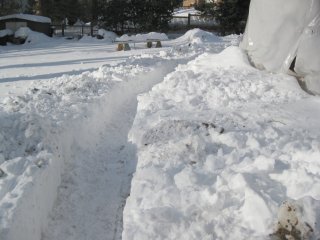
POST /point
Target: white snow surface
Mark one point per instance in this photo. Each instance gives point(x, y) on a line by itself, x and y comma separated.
point(29, 17)
point(107, 35)
point(71, 131)
point(204, 145)
point(220, 146)
point(5, 32)
point(143, 37)
point(22, 32)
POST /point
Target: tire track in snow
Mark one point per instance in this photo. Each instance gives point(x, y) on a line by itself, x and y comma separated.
point(97, 181)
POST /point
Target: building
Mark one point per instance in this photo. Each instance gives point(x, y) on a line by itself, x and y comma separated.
point(35, 23)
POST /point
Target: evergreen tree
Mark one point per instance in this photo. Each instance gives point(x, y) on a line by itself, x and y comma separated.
point(9, 7)
point(144, 15)
point(30, 8)
point(231, 15)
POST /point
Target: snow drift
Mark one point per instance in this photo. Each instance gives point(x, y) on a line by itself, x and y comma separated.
point(220, 146)
point(284, 36)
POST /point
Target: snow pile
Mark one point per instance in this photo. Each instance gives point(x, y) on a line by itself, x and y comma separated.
point(143, 37)
point(39, 132)
point(41, 129)
point(6, 32)
point(198, 36)
point(31, 36)
point(22, 32)
point(220, 146)
point(107, 35)
point(36, 37)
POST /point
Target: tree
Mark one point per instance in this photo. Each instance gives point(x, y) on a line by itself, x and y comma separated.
point(143, 15)
point(9, 7)
point(30, 8)
point(231, 15)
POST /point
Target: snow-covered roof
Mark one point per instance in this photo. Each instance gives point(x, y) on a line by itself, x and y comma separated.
point(29, 17)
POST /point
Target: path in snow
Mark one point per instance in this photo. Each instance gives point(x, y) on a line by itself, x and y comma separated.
point(97, 182)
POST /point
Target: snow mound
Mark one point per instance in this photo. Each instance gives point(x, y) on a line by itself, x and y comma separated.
point(22, 32)
point(198, 36)
point(143, 37)
point(107, 35)
point(6, 32)
point(38, 132)
point(31, 36)
point(220, 146)
point(36, 37)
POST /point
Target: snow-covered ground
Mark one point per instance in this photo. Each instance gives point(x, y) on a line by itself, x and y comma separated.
point(204, 145)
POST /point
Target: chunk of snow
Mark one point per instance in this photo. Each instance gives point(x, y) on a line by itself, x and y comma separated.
point(6, 32)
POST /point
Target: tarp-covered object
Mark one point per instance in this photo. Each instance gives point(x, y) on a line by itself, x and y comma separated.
point(284, 36)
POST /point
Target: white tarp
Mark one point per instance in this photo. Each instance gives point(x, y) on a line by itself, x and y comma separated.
point(280, 32)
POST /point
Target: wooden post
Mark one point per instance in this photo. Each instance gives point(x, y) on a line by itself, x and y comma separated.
point(149, 44)
point(189, 20)
point(159, 45)
point(81, 30)
point(91, 29)
point(62, 26)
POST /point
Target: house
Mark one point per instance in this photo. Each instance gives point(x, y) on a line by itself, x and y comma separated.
point(34, 22)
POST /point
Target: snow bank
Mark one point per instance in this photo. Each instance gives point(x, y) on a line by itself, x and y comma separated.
point(29, 17)
point(5, 32)
point(182, 18)
point(198, 36)
point(107, 35)
point(22, 32)
point(143, 37)
point(220, 146)
point(39, 132)
point(31, 36)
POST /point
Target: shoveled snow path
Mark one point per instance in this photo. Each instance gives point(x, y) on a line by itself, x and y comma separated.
point(97, 181)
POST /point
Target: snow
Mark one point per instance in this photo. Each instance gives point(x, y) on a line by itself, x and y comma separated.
point(22, 32)
point(143, 37)
point(28, 17)
point(107, 35)
point(195, 181)
point(188, 141)
point(5, 32)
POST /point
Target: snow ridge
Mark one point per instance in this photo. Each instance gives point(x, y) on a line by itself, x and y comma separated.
point(220, 146)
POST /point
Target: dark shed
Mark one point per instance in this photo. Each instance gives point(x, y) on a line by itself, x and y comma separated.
point(34, 22)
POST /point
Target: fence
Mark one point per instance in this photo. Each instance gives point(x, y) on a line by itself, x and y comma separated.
point(192, 20)
point(177, 22)
point(74, 31)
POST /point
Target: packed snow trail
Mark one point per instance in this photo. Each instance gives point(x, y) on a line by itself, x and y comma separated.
point(97, 181)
